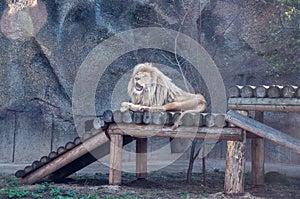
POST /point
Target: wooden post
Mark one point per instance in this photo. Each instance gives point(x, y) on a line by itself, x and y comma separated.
point(235, 167)
point(257, 155)
point(141, 158)
point(115, 168)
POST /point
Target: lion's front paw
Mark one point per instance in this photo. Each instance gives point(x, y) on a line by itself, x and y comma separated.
point(125, 106)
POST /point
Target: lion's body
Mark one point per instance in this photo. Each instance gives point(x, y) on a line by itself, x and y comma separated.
point(151, 90)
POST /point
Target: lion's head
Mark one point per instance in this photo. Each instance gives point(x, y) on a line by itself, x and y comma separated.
point(150, 87)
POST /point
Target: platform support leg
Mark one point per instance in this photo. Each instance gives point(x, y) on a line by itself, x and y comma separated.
point(141, 158)
point(115, 169)
point(257, 156)
point(235, 167)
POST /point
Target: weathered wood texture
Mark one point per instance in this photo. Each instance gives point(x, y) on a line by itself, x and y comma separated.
point(265, 104)
point(64, 159)
point(169, 118)
point(263, 91)
point(257, 156)
point(235, 166)
point(115, 167)
point(181, 132)
point(263, 130)
point(141, 158)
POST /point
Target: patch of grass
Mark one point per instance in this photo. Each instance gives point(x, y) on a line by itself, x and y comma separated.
point(56, 191)
point(15, 193)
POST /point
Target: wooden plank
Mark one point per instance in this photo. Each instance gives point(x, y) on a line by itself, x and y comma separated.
point(265, 104)
point(141, 158)
point(181, 132)
point(65, 159)
point(263, 130)
point(115, 168)
point(257, 156)
point(7, 126)
point(235, 167)
point(85, 160)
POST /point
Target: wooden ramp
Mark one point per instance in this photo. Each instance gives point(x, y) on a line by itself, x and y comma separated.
point(69, 159)
point(263, 130)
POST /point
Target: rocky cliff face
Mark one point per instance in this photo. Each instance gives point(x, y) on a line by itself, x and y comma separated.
point(43, 47)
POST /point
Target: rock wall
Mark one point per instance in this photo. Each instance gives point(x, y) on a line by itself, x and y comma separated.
point(43, 47)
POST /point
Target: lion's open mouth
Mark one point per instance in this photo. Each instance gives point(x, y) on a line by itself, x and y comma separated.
point(138, 87)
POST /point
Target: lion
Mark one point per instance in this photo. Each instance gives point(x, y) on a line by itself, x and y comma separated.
point(151, 90)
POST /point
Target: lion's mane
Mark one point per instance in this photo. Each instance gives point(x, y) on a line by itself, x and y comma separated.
point(161, 90)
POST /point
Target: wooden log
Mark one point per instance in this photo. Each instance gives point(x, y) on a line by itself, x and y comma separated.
point(127, 117)
point(77, 140)
point(159, 118)
point(61, 150)
point(298, 92)
point(209, 120)
point(169, 118)
point(28, 169)
point(141, 158)
point(115, 168)
point(234, 91)
point(36, 164)
point(85, 160)
point(107, 116)
point(257, 156)
point(247, 91)
point(263, 130)
point(189, 119)
point(137, 117)
point(20, 174)
point(53, 154)
point(64, 159)
point(289, 91)
point(117, 116)
point(261, 91)
point(44, 159)
point(235, 167)
point(274, 91)
point(180, 132)
point(199, 119)
point(147, 118)
point(174, 118)
point(98, 123)
point(265, 104)
point(215, 120)
point(69, 145)
point(220, 120)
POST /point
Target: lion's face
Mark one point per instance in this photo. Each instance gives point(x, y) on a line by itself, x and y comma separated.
point(142, 82)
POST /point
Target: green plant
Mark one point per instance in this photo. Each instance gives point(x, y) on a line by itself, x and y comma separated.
point(15, 193)
point(56, 191)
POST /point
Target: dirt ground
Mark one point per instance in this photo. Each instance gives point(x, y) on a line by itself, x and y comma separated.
point(159, 184)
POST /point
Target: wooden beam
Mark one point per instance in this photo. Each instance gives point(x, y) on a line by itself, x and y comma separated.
point(235, 167)
point(263, 130)
point(181, 132)
point(141, 158)
point(265, 104)
point(115, 168)
point(257, 155)
point(64, 159)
